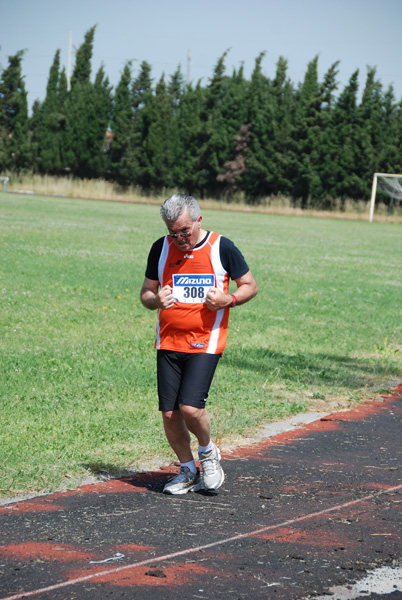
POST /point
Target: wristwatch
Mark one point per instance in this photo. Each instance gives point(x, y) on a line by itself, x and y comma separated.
point(234, 301)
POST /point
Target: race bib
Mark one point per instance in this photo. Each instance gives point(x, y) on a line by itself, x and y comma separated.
point(192, 288)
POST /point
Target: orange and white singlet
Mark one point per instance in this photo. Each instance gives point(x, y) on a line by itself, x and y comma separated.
point(189, 326)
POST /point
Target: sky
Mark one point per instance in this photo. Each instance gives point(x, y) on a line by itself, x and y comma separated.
point(168, 33)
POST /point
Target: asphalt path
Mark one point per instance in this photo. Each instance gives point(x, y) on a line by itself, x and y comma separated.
point(300, 514)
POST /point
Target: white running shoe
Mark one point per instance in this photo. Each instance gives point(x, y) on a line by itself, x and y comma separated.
point(212, 472)
point(184, 482)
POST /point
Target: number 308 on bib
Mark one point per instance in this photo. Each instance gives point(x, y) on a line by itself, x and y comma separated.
point(192, 288)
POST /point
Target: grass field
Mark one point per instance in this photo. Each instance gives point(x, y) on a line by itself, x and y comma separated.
point(77, 384)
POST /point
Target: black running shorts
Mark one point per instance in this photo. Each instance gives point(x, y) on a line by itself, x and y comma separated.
point(184, 378)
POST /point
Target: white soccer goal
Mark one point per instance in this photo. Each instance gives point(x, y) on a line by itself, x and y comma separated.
point(391, 184)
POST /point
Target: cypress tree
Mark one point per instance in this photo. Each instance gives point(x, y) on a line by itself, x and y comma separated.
point(15, 150)
point(346, 142)
point(102, 112)
point(188, 126)
point(233, 156)
point(83, 57)
point(76, 150)
point(213, 142)
point(372, 131)
point(159, 151)
point(176, 89)
point(34, 127)
point(141, 98)
point(283, 124)
point(63, 94)
point(176, 94)
point(233, 114)
point(357, 137)
point(142, 86)
point(51, 99)
point(391, 161)
point(121, 126)
point(327, 150)
point(132, 125)
point(49, 124)
point(260, 177)
point(306, 136)
point(88, 108)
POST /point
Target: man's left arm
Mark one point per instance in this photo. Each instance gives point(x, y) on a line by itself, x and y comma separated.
point(246, 290)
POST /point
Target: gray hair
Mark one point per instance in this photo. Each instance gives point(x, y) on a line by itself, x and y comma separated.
point(174, 206)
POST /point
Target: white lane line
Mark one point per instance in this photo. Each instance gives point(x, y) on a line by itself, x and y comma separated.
point(234, 538)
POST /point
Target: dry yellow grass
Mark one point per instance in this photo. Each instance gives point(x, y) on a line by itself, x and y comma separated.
point(98, 189)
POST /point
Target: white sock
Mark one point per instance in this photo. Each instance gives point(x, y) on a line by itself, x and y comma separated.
point(190, 465)
point(206, 449)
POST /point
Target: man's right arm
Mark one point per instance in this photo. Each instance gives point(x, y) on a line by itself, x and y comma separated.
point(153, 299)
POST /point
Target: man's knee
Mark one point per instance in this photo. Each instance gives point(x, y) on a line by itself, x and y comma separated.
point(170, 416)
point(192, 412)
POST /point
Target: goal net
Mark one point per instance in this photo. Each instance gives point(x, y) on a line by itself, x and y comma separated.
point(390, 184)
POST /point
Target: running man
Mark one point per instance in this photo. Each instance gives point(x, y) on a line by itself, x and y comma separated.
point(187, 281)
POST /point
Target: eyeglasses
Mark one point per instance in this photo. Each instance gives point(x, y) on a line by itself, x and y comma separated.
point(183, 234)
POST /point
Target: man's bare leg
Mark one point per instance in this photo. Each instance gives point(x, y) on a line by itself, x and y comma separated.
point(177, 435)
point(198, 423)
point(178, 424)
